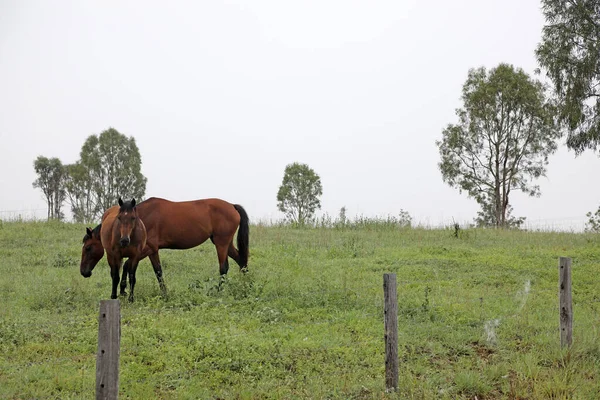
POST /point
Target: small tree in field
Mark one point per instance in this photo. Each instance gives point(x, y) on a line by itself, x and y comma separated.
point(404, 219)
point(505, 133)
point(298, 195)
point(342, 219)
point(593, 224)
point(50, 179)
point(110, 167)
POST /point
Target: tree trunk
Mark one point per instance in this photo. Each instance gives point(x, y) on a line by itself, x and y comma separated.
point(497, 210)
point(504, 207)
point(57, 204)
point(498, 207)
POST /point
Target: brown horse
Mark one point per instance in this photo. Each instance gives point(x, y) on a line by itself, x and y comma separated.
point(123, 234)
point(180, 225)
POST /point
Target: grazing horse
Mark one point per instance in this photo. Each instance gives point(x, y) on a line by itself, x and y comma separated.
point(181, 225)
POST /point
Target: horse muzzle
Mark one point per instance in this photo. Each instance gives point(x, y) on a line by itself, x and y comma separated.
point(86, 274)
point(124, 241)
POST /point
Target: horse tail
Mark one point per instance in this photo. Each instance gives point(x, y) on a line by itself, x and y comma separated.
point(242, 237)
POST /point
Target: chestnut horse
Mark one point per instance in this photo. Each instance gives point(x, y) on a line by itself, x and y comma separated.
point(123, 234)
point(180, 225)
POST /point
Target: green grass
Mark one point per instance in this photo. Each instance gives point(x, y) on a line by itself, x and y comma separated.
point(307, 320)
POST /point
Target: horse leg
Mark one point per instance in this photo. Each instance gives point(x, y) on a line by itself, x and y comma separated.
point(155, 260)
point(223, 262)
point(115, 266)
point(132, 270)
point(233, 253)
point(124, 277)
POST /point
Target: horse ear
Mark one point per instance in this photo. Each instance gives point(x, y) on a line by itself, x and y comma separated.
point(88, 231)
point(132, 202)
point(120, 202)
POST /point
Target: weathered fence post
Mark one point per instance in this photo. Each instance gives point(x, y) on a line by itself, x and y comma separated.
point(565, 301)
point(109, 343)
point(390, 313)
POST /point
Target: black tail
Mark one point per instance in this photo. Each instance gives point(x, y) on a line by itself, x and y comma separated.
point(242, 236)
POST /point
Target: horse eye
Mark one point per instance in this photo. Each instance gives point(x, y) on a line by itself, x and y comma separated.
point(88, 248)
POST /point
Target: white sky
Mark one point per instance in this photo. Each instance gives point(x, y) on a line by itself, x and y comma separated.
point(221, 95)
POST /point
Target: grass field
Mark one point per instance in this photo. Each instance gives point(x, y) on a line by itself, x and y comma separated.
point(478, 317)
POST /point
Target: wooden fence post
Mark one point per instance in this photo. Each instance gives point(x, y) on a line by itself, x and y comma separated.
point(565, 301)
point(109, 343)
point(390, 313)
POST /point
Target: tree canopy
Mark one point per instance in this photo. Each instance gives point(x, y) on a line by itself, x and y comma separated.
point(109, 168)
point(298, 195)
point(79, 187)
point(50, 177)
point(570, 54)
point(505, 133)
point(113, 163)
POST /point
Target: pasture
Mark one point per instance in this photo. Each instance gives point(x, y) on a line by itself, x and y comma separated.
point(478, 316)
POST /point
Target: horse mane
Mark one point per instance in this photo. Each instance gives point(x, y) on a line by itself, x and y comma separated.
point(95, 233)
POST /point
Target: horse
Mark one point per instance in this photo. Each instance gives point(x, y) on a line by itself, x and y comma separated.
point(123, 236)
point(109, 233)
point(181, 225)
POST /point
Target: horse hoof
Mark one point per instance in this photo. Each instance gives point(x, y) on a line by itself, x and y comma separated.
point(130, 299)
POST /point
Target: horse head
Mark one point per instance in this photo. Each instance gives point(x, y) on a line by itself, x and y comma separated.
point(127, 220)
point(91, 252)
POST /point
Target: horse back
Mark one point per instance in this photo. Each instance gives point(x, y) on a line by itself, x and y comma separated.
point(225, 219)
point(186, 224)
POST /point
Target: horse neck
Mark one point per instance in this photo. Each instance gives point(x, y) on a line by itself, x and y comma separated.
point(140, 231)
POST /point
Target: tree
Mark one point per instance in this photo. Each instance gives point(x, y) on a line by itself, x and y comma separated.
point(593, 224)
point(404, 219)
point(342, 219)
point(570, 52)
point(486, 217)
point(80, 192)
point(502, 141)
point(113, 162)
point(50, 180)
point(298, 195)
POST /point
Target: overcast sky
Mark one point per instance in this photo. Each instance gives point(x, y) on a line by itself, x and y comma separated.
point(221, 95)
